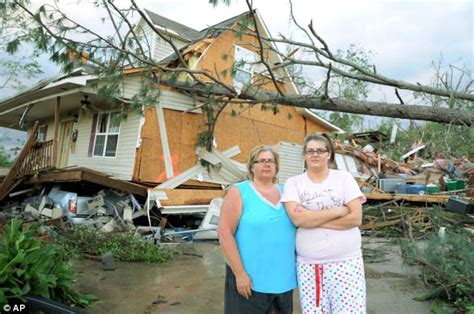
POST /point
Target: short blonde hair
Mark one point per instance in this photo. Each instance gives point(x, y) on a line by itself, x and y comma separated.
point(253, 157)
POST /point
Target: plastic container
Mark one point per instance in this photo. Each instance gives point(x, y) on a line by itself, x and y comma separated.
point(416, 189)
point(389, 185)
point(452, 185)
point(401, 188)
point(430, 189)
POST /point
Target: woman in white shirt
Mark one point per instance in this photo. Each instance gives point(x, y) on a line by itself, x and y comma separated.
point(329, 258)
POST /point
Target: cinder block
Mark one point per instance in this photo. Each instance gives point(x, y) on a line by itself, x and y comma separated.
point(127, 214)
point(95, 202)
point(48, 212)
point(57, 213)
point(110, 226)
point(45, 202)
point(33, 211)
point(121, 205)
point(101, 211)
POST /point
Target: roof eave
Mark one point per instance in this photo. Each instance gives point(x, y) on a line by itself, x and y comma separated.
point(309, 114)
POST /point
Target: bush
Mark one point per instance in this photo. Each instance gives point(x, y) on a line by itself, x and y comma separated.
point(124, 246)
point(30, 267)
point(448, 266)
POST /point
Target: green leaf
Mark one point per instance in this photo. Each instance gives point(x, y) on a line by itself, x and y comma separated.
point(12, 46)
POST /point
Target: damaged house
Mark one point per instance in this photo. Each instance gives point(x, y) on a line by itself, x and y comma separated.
point(77, 129)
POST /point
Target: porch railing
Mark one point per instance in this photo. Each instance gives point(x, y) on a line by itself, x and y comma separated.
point(40, 157)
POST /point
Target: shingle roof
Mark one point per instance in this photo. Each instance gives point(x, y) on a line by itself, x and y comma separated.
point(193, 35)
point(180, 29)
point(213, 30)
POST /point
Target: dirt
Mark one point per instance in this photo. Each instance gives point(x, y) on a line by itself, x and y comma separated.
point(194, 283)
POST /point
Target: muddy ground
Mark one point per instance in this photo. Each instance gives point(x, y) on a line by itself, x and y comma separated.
point(194, 283)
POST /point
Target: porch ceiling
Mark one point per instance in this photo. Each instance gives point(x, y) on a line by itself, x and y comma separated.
point(42, 110)
point(43, 95)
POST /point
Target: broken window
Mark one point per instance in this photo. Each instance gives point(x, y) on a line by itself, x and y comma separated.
point(244, 61)
point(106, 137)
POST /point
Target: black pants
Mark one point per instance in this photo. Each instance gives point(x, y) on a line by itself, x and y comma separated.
point(258, 303)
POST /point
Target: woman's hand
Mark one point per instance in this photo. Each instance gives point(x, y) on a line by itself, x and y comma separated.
point(244, 285)
point(341, 211)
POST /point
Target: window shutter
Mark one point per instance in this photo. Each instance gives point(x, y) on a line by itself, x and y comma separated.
point(91, 140)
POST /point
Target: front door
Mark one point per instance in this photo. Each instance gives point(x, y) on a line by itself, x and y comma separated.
point(65, 138)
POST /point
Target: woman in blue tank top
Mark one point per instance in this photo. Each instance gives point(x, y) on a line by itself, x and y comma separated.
point(258, 241)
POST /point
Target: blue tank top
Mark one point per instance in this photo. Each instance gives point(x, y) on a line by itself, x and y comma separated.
point(266, 240)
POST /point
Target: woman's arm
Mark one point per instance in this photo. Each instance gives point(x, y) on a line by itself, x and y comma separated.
point(312, 219)
point(351, 220)
point(228, 222)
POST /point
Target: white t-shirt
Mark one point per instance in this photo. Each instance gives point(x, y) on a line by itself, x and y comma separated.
point(321, 245)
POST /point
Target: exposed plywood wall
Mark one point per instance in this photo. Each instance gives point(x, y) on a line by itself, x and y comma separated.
point(149, 164)
point(182, 129)
point(249, 128)
point(214, 61)
point(253, 127)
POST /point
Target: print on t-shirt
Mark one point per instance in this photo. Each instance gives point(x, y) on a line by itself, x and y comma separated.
point(319, 200)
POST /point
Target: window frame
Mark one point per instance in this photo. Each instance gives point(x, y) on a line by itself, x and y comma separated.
point(241, 68)
point(107, 133)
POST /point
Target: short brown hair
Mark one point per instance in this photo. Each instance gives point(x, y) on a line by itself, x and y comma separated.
point(253, 157)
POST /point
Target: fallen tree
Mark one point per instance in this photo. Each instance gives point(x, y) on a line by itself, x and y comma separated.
point(54, 32)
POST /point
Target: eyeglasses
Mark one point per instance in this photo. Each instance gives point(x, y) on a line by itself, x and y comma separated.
point(264, 161)
point(318, 151)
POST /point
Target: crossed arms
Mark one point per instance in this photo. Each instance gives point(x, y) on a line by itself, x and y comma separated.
point(337, 218)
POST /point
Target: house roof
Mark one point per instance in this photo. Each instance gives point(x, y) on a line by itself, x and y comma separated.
point(216, 29)
point(208, 32)
point(65, 84)
point(180, 29)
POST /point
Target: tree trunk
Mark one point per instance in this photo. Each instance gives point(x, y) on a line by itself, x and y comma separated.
point(413, 112)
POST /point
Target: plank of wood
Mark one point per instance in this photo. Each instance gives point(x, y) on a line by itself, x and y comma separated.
point(9, 182)
point(380, 224)
point(66, 176)
point(365, 183)
point(56, 131)
point(190, 196)
point(407, 197)
point(89, 176)
point(114, 183)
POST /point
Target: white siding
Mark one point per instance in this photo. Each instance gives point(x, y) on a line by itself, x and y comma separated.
point(147, 37)
point(177, 101)
point(291, 160)
point(168, 99)
point(50, 127)
point(163, 49)
point(158, 46)
point(130, 86)
point(120, 166)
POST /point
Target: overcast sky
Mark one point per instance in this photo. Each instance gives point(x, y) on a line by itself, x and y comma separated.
point(404, 36)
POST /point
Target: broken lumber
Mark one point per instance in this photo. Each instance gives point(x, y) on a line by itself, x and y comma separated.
point(407, 197)
point(10, 180)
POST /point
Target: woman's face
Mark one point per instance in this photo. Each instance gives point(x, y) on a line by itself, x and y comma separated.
point(317, 155)
point(264, 166)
